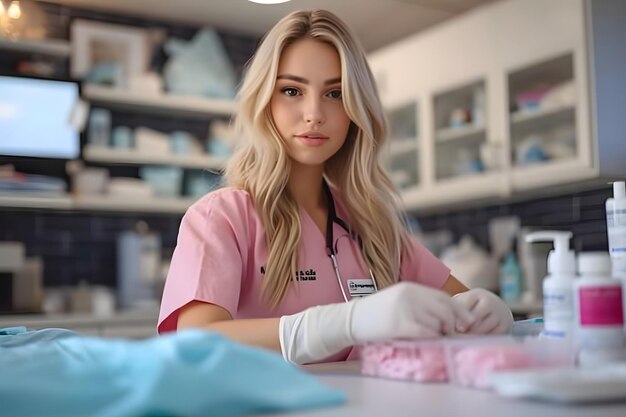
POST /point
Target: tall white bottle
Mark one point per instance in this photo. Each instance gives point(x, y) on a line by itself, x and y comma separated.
point(558, 304)
point(598, 304)
point(616, 231)
point(616, 228)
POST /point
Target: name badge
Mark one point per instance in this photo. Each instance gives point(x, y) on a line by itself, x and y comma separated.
point(361, 287)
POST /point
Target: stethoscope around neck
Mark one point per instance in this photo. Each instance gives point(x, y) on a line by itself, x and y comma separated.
point(330, 249)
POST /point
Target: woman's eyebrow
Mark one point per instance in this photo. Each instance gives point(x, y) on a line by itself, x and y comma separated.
point(304, 80)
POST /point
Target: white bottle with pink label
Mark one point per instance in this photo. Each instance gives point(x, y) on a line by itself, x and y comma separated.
point(598, 303)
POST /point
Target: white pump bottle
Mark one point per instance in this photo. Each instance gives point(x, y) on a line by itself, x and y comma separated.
point(558, 303)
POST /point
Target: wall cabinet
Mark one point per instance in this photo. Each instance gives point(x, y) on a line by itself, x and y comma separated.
point(502, 100)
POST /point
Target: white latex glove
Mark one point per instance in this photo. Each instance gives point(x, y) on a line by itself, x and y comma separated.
point(408, 310)
point(492, 314)
point(404, 310)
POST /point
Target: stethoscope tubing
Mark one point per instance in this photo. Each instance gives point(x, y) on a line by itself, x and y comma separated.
point(332, 218)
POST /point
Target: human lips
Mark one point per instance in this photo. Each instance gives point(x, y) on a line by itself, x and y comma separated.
point(311, 135)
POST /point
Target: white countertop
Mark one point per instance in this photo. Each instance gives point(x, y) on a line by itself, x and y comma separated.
point(375, 397)
point(136, 324)
point(147, 315)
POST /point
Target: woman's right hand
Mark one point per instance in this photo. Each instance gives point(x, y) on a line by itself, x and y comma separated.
point(407, 310)
point(404, 310)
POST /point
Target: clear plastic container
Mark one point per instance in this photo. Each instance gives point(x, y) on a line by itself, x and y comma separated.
point(471, 360)
point(466, 361)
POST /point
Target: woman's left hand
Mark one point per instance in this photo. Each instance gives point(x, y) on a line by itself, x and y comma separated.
point(491, 313)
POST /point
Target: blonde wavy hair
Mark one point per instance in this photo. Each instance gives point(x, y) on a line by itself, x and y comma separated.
point(261, 165)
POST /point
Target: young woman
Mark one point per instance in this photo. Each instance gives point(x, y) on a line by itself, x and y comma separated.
point(305, 252)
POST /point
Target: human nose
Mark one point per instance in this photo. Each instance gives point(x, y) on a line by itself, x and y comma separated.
point(313, 113)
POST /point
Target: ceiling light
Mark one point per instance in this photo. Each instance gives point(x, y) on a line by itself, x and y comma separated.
point(14, 11)
point(269, 1)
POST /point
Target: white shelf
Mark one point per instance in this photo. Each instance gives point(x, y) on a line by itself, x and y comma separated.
point(535, 115)
point(550, 172)
point(486, 187)
point(143, 205)
point(50, 47)
point(98, 203)
point(23, 200)
point(403, 146)
point(135, 157)
point(450, 134)
point(158, 103)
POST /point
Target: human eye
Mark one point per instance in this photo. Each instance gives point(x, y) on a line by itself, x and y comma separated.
point(290, 91)
point(336, 94)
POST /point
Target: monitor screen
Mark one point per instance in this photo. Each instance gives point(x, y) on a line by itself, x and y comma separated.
point(35, 118)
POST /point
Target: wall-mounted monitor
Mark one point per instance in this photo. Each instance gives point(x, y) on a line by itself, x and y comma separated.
point(35, 117)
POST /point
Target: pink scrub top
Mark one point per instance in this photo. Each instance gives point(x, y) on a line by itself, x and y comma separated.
point(221, 254)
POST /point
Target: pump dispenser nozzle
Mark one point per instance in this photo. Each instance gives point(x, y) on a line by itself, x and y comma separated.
point(561, 259)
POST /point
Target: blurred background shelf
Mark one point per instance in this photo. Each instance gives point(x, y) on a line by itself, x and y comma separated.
point(525, 122)
point(135, 157)
point(157, 104)
point(49, 47)
point(460, 133)
point(142, 205)
point(104, 203)
point(22, 200)
point(538, 115)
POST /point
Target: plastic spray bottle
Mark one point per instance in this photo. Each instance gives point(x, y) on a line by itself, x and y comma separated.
point(558, 304)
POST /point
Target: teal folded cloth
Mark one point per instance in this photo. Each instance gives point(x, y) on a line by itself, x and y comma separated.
point(20, 336)
point(56, 372)
point(9, 331)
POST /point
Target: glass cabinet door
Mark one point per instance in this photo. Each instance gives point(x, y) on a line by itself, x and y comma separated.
point(460, 131)
point(402, 154)
point(542, 113)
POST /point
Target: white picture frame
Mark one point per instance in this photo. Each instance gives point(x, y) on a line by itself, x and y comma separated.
point(93, 42)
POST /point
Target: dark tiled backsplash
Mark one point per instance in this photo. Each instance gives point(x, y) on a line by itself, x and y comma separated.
point(581, 213)
point(78, 246)
point(82, 246)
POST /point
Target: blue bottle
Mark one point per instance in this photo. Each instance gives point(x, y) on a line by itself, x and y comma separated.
point(510, 278)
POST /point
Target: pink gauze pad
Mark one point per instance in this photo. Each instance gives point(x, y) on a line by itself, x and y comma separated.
point(400, 360)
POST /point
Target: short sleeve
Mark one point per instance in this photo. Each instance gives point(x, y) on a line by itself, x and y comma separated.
point(418, 264)
point(207, 263)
